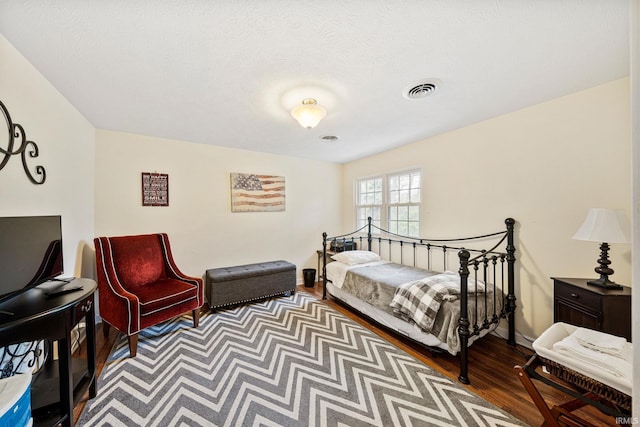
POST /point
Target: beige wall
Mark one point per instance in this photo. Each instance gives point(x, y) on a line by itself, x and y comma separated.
point(545, 166)
point(203, 231)
point(634, 25)
point(66, 143)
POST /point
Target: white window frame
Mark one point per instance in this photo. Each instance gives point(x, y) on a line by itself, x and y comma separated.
point(406, 201)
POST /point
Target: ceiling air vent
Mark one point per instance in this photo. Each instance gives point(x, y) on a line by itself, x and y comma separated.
point(329, 138)
point(421, 89)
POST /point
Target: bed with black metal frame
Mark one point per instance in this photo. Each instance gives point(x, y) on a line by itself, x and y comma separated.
point(486, 259)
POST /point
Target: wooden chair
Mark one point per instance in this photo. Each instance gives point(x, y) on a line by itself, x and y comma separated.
point(139, 285)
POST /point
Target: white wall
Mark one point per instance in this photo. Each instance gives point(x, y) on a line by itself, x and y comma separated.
point(634, 9)
point(66, 143)
point(203, 231)
point(545, 166)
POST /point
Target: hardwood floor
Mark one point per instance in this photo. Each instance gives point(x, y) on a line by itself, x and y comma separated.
point(490, 369)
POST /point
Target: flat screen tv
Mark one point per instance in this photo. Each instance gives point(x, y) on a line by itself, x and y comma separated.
point(30, 252)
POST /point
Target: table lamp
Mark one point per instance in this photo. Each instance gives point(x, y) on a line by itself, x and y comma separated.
point(604, 226)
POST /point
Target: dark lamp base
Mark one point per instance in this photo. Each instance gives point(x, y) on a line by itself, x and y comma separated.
point(604, 271)
point(604, 282)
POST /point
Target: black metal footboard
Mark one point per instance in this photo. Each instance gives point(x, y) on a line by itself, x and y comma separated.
point(486, 261)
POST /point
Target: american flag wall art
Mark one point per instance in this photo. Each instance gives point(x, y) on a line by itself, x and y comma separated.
point(257, 193)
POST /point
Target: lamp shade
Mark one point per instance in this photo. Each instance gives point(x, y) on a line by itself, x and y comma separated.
point(309, 113)
point(604, 225)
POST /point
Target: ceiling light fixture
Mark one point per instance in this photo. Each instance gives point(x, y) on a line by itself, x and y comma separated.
point(309, 113)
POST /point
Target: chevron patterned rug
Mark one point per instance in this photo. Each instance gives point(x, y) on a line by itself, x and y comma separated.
point(290, 361)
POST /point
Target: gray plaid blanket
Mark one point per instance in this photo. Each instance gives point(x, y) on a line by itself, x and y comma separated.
point(419, 302)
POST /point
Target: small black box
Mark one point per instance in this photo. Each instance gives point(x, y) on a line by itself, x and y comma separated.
point(342, 245)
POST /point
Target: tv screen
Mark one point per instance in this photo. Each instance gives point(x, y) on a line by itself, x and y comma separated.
point(30, 252)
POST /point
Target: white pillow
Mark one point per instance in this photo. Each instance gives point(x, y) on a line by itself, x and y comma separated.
point(356, 257)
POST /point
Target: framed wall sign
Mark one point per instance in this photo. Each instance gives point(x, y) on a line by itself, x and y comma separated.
point(155, 189)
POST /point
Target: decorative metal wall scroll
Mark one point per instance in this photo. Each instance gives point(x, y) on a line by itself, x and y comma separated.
point(24, 147)
point(22, 358)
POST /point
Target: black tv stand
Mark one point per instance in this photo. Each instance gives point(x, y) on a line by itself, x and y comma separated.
point(61, 383)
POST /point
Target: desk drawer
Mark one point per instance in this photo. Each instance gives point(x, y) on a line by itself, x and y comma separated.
point(82, 308)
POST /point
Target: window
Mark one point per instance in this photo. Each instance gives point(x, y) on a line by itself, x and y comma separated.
point(369, 201)
point(392, 200)
point(404, 204)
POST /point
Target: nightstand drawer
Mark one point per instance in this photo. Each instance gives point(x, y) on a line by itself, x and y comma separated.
point(578, 296)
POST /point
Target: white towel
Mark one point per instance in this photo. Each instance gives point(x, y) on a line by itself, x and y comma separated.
point(599, 341)
point(570, 346)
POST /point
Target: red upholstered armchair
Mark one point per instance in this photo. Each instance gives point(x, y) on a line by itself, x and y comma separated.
point(139, 284)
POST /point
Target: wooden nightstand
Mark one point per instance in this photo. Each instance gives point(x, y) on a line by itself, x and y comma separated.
point(592, 307)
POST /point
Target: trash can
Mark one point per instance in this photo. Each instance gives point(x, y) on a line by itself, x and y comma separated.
point(309, 276)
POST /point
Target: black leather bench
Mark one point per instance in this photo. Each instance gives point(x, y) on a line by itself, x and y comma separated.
point(250, 282)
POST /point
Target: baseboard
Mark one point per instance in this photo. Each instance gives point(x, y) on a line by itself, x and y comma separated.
point(503, 332)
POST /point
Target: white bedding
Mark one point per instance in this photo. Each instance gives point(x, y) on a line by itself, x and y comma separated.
point(610, 370)
point(337, 271)
point(385, 319)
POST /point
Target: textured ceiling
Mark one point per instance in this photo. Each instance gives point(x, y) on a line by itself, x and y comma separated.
point(228, 72)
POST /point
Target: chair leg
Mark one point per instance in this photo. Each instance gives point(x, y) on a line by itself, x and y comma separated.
point(105, 329)
point(133, 345)
point(196, 317)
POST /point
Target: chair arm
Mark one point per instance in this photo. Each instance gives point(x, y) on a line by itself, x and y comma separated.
point(172, 270)
point(118, 307)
